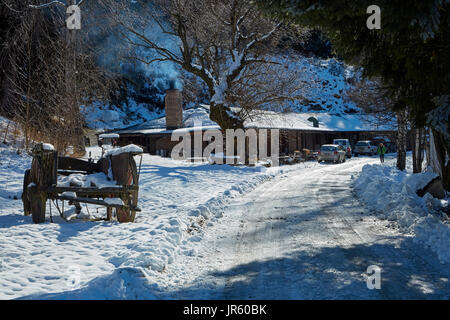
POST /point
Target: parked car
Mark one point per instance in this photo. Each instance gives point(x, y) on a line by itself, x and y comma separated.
point(345, 143)
point(365, 147)
point(331, 152)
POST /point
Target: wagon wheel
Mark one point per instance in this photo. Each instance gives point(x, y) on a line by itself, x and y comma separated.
point(25, 200)
point(109, 214)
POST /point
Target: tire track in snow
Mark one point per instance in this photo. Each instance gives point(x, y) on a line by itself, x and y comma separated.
point(248, 242)
point(399, 264)
point(249, 235)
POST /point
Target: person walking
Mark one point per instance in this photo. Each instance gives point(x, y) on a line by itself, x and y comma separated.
point(381, 151)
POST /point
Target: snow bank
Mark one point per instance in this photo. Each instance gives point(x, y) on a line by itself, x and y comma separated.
point(72, 195)
point(392, 195)
point(221, 157)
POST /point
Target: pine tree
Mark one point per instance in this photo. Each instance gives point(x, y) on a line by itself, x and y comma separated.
point(410, 53)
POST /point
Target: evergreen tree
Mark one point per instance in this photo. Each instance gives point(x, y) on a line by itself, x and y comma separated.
point(410, 53)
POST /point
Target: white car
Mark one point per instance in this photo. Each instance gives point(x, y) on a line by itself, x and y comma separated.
point(345, 143)
point(365, 147)
point(331, 152)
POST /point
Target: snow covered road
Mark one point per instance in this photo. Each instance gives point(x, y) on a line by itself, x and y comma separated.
point(303, 235)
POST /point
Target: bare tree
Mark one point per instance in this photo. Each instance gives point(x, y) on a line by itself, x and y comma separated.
point(371, 97)
point(223, 42)
point(402, 139)
point(51, 72)
point(23, 56)
point(418, 148)
point(375, 100)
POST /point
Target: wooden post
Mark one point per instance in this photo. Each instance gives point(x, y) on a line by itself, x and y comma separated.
point(38, 201)
point(43, 174)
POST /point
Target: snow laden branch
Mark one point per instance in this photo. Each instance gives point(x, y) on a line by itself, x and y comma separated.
point(138, 39)
point(54, 3)
point(49, 4)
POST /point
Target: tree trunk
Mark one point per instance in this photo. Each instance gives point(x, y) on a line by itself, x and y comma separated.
point(423, 142)
point(225, 117)
point(427, 137)
point(73, 91)
point(417, 135)
point(402, 135)
point(79, 142)
point(6, 131)
point(15, 133)
point(439, 150)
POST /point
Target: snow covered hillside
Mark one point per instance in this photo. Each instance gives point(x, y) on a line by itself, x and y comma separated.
point(326, 83)
point(325, 86)
point(102, 116)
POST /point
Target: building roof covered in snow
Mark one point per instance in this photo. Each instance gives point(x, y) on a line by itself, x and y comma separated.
point(326, 122)
point(192, 118)
point(197, 118)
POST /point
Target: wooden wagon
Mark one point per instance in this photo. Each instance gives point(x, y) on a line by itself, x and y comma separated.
point(120, 198)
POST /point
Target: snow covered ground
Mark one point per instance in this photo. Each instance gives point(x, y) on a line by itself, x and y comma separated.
point(392, 195)
point(179, 200)
point(216, 232)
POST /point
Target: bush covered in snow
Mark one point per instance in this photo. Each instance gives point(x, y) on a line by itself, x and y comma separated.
point(392, 195)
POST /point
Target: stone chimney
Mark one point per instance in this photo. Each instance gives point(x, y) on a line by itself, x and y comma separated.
point(174, 109)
